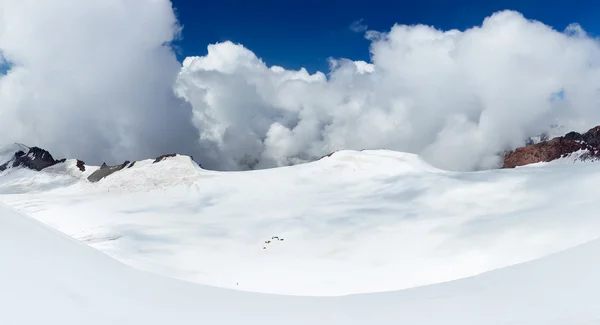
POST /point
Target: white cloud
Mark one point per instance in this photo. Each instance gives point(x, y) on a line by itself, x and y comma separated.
point(358, 26)
point(457, 98)
point(91, 79)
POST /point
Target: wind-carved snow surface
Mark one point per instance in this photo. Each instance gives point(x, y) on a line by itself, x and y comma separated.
point(49, 278)
point(354, 222)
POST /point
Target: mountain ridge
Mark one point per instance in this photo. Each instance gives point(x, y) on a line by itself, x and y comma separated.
point(579, 146)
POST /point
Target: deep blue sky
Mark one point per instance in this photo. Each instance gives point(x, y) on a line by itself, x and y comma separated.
point(304, 33)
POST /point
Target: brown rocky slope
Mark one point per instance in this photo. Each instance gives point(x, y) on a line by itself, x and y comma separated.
point(559, 147)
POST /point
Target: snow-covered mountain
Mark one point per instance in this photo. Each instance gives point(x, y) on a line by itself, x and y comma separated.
point(354, 222)
point(351, 222)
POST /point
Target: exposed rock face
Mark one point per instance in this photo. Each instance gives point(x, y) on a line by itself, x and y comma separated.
point(163, 157)
point(328, 155)
point(80, 165)
point(105, 171)
point(36, 159)
point(559, 147)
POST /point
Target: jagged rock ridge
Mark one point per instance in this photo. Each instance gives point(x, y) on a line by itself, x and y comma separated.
point(106, 171)
point(587, 143)
point(163, 157)
point(36, 159)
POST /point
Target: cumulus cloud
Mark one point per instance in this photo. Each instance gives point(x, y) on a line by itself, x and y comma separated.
point(92, 79)
point(96, 79)
point(458, 98)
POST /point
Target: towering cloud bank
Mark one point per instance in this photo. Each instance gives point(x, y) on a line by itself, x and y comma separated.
point(94, 79)
point(457, 98)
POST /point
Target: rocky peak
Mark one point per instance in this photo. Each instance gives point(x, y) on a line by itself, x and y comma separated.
point(163, 157)
point(35, 158)
point(559, 147)
point(106, 171)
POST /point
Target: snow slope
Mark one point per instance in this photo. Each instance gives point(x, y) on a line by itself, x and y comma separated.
point(354, 222)
point(49, 278)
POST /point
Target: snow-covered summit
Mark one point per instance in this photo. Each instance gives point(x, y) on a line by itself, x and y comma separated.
point(150, 174)
point(19, 164)
point(375, 159)
point(177, 170)
point(29, 157)
point(353, 222)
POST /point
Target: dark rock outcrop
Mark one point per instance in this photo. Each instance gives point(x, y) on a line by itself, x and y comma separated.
point(105, 171)
point(36, 159)
point(328, 155)
point(163, 157)
point(81, 165)
point(559, 147)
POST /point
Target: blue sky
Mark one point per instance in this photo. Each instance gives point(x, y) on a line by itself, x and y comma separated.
point(304, 33)
point(3, 65)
